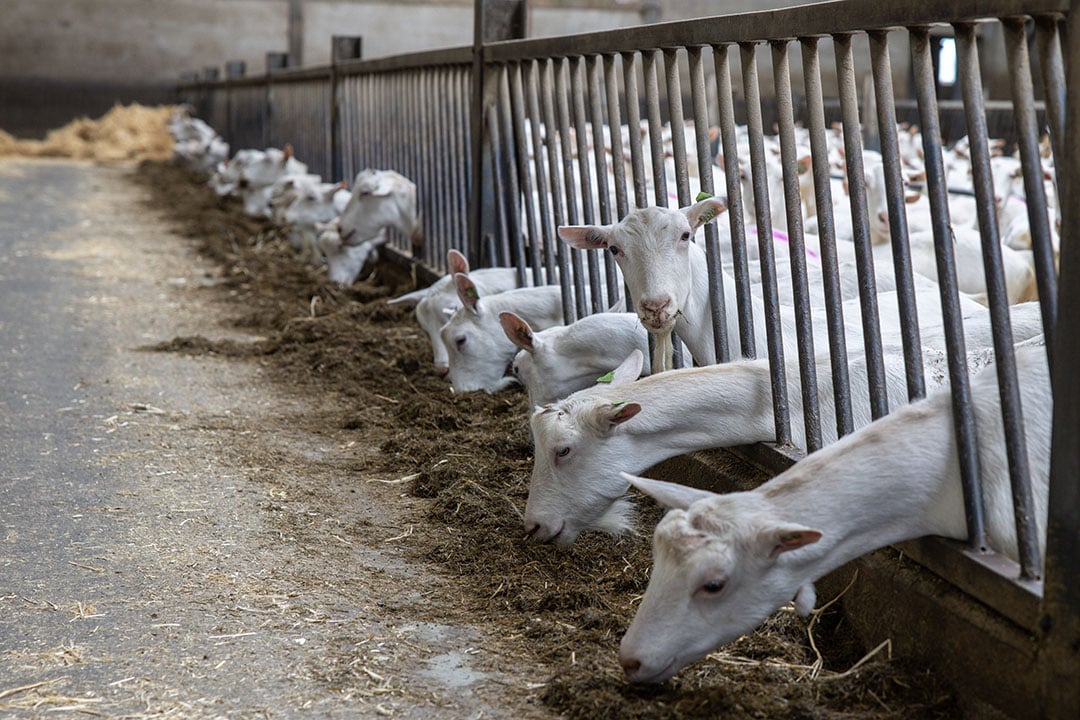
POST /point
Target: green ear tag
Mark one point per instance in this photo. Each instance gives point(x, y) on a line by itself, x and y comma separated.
point(522, 333)
point(702, 196)
point(617, 404)
point(606, 378)
point(471, 293)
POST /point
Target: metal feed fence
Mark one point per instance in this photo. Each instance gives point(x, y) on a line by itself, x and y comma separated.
point(412, 115)
point(509, 140)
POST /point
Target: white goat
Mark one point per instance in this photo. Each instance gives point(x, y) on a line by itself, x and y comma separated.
point(666, 274)
point(380, 199)
point(579, 450)
point(1018, 265)
point(226, 179)
point(555, 362)
point(311, 204)
point(478, 350)
point(257, 178)
point(437, 302)
point(724, 563)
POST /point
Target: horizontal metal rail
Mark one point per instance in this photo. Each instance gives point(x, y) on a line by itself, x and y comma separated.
point(813, 20)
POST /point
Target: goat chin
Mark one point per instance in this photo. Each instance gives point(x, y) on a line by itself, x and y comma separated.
point(618, 519)
point(662, 355)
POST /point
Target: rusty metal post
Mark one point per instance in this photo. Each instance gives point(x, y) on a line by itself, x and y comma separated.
point(342, 48)
point(493, 20)
point(296, 33)
point(1059, 647)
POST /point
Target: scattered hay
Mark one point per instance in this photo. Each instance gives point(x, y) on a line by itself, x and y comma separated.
point(126, 132)
point(563, 609)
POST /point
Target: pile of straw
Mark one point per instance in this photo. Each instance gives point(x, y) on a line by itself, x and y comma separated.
point(126, 132)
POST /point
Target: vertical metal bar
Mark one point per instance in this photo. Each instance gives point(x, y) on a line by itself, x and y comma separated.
point(633, 120)
point(423, 143)
point(1027, 130)
point(651, 59)
point(1048, 42)
point(834, 312)
point(552, 140)
point(618, 165)
point(677, 125)
point(998, 301)
point(511, 191)
point(566, 145)
point(656, 140)
point(463, 184)
point(1060, 621)
point(864, 258)
point(434, 245)
point(603, 197)
point(498, 252)
point(394, 86)
point(963, 412)
point(730, 149)
point(804, 328)
point(717, 301)
point(418, 144)
point(449, 159)
point(898, 227)
point(517, 104)
point(596, 117)
point(581, 133)
point(544, 196)
point(773, 329)
point(400, 85)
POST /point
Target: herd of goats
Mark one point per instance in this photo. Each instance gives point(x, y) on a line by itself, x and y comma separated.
point(722, 563)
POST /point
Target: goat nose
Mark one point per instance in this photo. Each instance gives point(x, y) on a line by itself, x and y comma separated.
point(531, 529)
point(883, 216)
point(630, 665)
point(655, 305)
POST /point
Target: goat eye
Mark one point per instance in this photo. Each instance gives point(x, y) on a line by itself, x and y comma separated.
point(713, 587)
point(460, 342)
point(686, 236)
point(614, 249)
point(562, 452)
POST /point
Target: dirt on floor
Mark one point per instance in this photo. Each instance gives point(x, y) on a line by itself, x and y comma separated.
point(460, 466)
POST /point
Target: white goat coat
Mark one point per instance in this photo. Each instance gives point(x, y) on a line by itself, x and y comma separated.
point(894, 480)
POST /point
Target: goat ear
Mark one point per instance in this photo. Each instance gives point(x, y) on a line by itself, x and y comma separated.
point(783, 538)
point(704, 211)
point(629, 370)
point(457, 262)
point(586, 237)
point(518, 331)
point(670, 495)
point(618, 413)
point(410, 298)
point(286, 154)
point(466, 291)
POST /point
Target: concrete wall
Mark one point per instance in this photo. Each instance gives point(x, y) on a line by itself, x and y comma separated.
point(62, 58)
